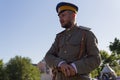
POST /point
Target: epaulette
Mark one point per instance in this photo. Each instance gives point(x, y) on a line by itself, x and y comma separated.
point(85, 28)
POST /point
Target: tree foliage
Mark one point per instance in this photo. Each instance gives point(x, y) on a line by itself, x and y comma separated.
point(104, 56)
point(1, 70)
point(107, 58)
point(19, 68)
point(115, 46)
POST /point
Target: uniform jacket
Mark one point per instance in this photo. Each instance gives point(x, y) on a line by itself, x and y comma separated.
point(66, 47)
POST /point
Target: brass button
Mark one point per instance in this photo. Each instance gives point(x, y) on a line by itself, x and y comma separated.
point(69, 35)
point(65, 51)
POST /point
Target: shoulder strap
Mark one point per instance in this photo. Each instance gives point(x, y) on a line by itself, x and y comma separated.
point(82, 45)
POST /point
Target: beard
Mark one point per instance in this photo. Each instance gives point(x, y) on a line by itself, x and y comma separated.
point(67, 25)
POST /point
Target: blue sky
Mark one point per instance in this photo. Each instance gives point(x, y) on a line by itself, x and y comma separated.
point(28, 27)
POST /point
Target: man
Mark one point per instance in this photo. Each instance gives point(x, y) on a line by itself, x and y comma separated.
point(74, 53)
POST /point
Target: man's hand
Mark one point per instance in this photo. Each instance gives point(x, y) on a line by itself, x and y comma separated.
point(68, 70)
point(72, 70)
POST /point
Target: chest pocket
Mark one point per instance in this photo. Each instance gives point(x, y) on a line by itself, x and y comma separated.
point(75, 40)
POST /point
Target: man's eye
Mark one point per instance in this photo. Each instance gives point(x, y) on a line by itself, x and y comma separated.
point(63, 15)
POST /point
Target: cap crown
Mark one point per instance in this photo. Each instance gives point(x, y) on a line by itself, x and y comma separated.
point(62, 6)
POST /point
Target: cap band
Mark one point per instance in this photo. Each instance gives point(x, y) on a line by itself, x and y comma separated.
point(66, 8)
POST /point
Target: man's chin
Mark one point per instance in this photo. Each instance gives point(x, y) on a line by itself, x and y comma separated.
point(65, 27)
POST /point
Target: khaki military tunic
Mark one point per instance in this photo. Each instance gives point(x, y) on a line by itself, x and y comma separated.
point(66, 47)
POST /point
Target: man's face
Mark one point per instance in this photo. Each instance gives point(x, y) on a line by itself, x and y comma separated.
point(65, 19)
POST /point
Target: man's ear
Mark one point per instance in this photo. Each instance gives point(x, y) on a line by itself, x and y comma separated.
point(74, 15)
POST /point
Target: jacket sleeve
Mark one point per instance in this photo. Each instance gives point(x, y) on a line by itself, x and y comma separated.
point(51, 58)
point(92, 58)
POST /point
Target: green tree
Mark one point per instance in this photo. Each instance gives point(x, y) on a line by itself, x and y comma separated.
point(110, 59)
point(104, 56)
point(3, 75)
point(115, 49)
point(115, 46)
point(21, 68)
point(1, 70)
